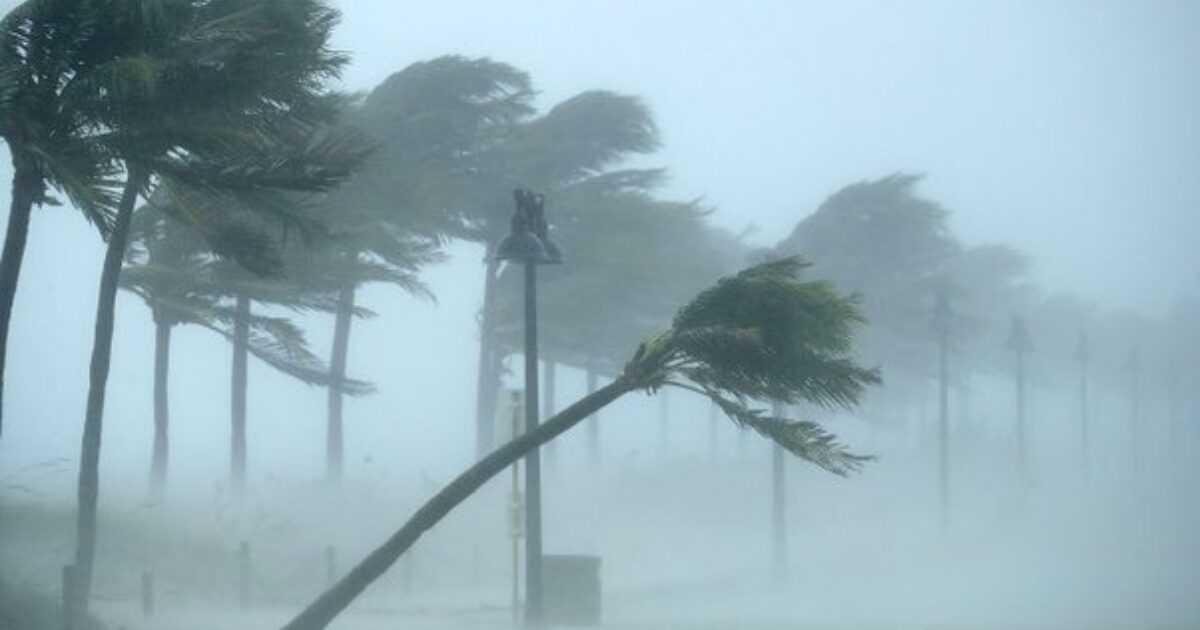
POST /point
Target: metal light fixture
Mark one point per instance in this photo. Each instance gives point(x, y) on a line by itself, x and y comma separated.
point(528, 240)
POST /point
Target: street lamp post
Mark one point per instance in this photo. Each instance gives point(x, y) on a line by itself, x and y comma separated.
point(529, 243)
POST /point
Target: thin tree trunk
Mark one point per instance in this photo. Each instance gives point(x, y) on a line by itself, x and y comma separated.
point(1022, 456)
point(162, 363)
point(334, 448)
point(237, 396)
point(664, 422)
point(325, 608)
point(1084, 429)
point(25, 185)
point(487, 377)
point(89, 459)
point(548, 404)
point(593, 420)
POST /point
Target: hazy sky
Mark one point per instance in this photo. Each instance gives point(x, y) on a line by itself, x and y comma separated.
point(1066, 128)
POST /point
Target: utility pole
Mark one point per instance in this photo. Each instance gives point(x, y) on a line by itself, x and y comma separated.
point(1083, 355)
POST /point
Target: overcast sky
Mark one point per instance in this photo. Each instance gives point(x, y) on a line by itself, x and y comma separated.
point(1065, 128)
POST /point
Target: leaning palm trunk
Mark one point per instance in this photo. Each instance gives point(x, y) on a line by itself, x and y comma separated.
point(487, 378)
point(594, 420)
point(334, 448)
point(322, 611)
point(162, 366)
point(26, 181)
point(89, 460)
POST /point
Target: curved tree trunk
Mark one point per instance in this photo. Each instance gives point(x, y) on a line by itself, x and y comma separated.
point(89, 459)
point(237, 415)
point(162, 363)
point(337, 367)
point(325, 608)
point(487, 377)
point(25, 185)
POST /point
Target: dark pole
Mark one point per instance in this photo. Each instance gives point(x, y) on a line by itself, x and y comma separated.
point(1083, 355)
point(1020, 343)
point(1135, 403)
point(533, 467)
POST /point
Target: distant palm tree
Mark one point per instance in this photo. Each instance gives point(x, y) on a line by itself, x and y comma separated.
point(759, 335)
point(45, 46)
point(173, 266)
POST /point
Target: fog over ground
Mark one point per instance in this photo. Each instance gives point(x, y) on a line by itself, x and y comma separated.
point(1068, 130)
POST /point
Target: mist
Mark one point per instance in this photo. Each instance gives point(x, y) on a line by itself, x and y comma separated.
point(988, 416)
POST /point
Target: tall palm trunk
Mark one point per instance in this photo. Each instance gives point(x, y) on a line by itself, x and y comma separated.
point(341, 344)
point(487, 378)
point(89, 458)
point(162, 363)
point(944, 427)
point(237, 415)
point(325, 608)
point(1022, 454)
point(26, 185)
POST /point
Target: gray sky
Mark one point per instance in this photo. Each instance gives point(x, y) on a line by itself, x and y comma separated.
point(1065, 128)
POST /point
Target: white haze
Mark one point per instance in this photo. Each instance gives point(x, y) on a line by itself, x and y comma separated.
point(1067, 129)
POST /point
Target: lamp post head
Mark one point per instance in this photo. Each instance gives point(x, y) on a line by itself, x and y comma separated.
point(528, 240)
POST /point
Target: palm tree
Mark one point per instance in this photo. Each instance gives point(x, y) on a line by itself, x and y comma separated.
point(210, 95)
point(173, 267)
point(1020, 343)
point(758, 335)
point(889, 243)
point(45, 45)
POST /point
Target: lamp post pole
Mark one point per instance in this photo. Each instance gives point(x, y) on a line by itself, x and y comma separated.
point(529, 244)
point(533, 465)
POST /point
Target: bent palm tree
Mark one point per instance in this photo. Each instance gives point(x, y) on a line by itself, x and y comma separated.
point(175, 270)
point(44, 46)
point(759, 335)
